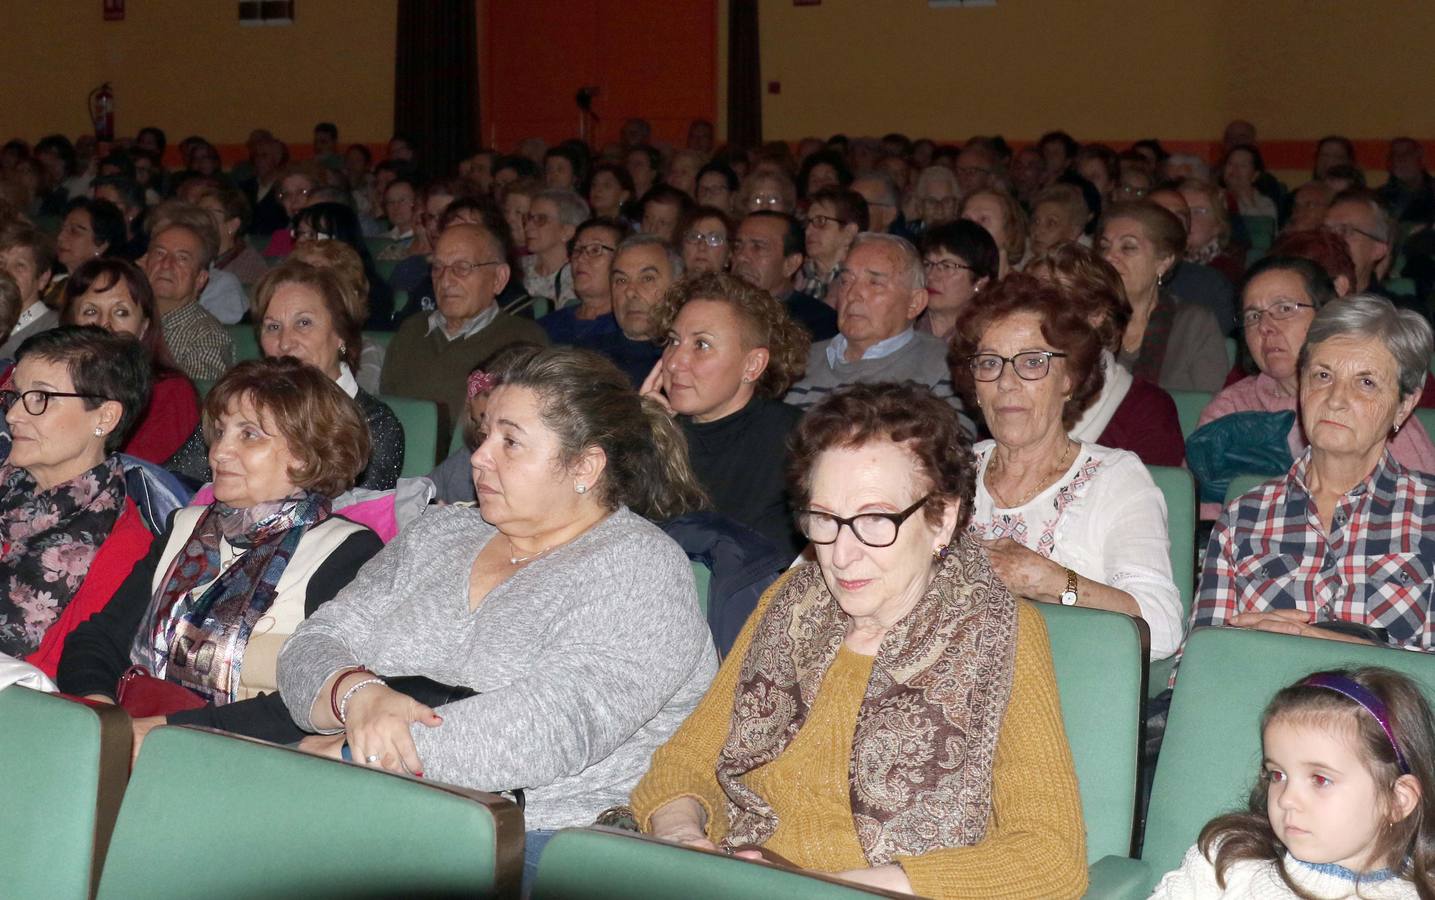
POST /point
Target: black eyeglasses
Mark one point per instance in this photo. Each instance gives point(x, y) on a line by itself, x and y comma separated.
point(872, 529)
point(1033, 365)
point(36, 402)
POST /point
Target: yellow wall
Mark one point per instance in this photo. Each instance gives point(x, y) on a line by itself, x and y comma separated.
point(189, 67)
point(1112, 70)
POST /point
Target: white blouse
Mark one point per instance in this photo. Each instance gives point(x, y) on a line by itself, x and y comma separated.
point(1106, 520)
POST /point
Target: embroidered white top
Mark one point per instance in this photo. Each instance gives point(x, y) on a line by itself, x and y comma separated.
point(1104, 518)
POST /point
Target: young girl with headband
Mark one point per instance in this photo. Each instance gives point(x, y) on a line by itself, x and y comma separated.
point(1343, 806)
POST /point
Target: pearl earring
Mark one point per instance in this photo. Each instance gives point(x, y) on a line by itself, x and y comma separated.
point(99, 432)
point(581, 488)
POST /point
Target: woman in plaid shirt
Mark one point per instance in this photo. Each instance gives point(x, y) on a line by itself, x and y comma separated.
point(1345, 535)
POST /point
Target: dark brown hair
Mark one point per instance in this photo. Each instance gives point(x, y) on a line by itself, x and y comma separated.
point(1407, 846)
point(325, 430)
point(330, 288)
point(1092, 283)
point(765, 323)
point(906, 414)
point(1064, 325)
point(102, 274)
point(588, 402)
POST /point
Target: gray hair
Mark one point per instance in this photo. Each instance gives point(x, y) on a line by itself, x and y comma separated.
point(885, 182)
point(911, 260)
point(572, 209)
point(675, 256)
point(1404, 332)
point(933, 174)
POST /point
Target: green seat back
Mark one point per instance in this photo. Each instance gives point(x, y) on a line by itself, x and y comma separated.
point(1400, 287)
point(1233, 351)
point(246, 343)
point(203, 386)
point(702, 580)
point(385, 268)
point(275, 822)
point(1179, 489)
point(377, 245)
point(64, 766)
point(1189, 405)
point(1426, 417)
point(1211, 753)
point(607, 864)
point(1100, 662)
point(1243, 483)
point(258, 241)
point(420, 421)
point(381, 338)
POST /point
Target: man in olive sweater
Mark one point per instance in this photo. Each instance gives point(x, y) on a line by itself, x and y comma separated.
point(430, 356)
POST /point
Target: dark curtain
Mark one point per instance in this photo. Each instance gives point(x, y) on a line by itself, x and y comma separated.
point(744, 76)
point(436, 81)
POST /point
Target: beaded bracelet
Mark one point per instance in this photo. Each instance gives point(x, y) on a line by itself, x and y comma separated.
point(334, 691)
point(344, 703)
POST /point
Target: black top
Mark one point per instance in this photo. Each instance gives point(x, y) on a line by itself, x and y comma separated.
point(741, 461)
point(635, 358)
point(817, 317)
point(98, 651)
point(386, 444)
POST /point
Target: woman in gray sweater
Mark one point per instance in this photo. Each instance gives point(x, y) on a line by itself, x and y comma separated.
point(573, 617)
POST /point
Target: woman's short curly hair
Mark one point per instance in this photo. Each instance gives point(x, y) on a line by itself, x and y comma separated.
point(765, 323)
point(907, 414)
point(1064, 325)
point(324, 428)
point(1092, 283)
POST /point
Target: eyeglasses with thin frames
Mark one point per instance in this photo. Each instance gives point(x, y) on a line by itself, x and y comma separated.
point(873, 529)
point(1279, 311)
point(591, 251)
point(463, 268)
point(1031, 365)
point(37, 401)
point(945, 266)
point(712, 238)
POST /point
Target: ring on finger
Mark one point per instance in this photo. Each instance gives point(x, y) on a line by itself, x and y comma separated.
point(371, 758)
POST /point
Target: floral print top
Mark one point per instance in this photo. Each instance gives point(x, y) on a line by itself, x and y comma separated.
point(48, 540)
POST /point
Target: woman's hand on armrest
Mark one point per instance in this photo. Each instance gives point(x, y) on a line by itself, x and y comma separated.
point(681, 821)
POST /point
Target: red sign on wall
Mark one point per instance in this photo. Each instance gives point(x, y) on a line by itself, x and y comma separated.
point(114, 10)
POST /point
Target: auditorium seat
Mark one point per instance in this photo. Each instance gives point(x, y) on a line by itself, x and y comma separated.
point(1189, 405)
point(1426, 417)
point(246, 343)
point(1243, 483)
point(1100, 661)
point(601, 863)
point(1211, 753)
point(1179, 489)
point(420, 421)
point(63, 765)
point(208, 813)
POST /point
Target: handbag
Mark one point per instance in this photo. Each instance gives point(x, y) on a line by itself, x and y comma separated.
point(141, 694)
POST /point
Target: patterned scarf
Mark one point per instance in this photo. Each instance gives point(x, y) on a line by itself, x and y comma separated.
point(198, 639)
point(1152, 354)
point(48, 539)
point(939, 688)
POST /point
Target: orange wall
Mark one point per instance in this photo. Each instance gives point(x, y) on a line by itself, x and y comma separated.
point(1108, 70)
point(651, 58)
point(189, 67)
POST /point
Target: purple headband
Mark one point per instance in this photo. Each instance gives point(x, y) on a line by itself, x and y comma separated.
point(1367, 700)
point(480, 383)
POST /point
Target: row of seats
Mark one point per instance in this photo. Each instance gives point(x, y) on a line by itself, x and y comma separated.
point(294, 825)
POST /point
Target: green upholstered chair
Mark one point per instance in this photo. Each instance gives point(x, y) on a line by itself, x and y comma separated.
point(1179, 489)
point(1189, 405)
point(702, 580)
point(1233, 351)
point(230, 817)
point(246, 343)
point(1243, 483)
point(420, 421)
point(1100, 661)
point(1427, 418)
point(607, 864)
point(203, 386)
point(1261, 230)
point(381, 338)
point(64, 766)
point(1211, 752)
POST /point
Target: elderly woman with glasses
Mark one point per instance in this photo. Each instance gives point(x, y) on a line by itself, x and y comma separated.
point(1063, 521)
point(899, 633)
point(1280, 299)
point(1340, 546)
point(705, 234)
point(66, 525)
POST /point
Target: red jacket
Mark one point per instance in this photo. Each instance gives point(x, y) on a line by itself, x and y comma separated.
point(168, 420)
point(127, 544)
point(1146, 424)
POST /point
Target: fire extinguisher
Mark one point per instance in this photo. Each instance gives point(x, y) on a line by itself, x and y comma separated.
point(102, 112)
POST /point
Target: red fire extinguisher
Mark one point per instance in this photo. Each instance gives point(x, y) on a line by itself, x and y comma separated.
point(102, 112)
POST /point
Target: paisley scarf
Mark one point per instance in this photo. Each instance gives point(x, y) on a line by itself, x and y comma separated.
point(48, 539)
point(197, 639)
point(925, 742)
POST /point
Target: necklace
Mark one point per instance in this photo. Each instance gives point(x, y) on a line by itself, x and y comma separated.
point(1040, 485)
point(516, 560)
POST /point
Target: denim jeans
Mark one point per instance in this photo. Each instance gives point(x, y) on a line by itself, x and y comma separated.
point(533, 843)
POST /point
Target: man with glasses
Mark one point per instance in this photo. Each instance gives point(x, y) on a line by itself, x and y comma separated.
point(1357, 216)
point(590, 319)
point(183, 241)
point(881, 290)
point(767, 250)
point(431, 355)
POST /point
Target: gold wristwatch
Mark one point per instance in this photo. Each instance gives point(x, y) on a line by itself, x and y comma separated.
point(1068, 596)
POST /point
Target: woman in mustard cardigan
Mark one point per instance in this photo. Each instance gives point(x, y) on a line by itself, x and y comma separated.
point(890, 714)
